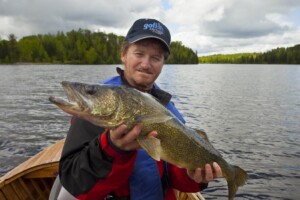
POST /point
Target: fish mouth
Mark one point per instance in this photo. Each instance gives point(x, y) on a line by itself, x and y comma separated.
point(75, 102)
point(63, 102)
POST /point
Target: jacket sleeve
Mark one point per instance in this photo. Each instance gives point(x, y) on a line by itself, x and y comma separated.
point(88, 161)
point(181, 181)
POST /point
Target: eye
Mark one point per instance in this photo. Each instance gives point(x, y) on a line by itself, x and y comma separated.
point(138, 54)
point(91, 90)
point(156, 59)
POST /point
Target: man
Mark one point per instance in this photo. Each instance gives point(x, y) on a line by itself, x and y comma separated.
point(108, 164)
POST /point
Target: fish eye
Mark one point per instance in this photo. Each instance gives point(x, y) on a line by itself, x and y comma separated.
point(91, 90)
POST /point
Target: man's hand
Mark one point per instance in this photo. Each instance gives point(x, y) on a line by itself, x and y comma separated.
point(206, 175)
point(126, 140)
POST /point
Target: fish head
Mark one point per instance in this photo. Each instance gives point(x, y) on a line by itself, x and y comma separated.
point(95, 103)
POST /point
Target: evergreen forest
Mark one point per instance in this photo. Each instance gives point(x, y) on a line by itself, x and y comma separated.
point(85, 47)
point(77, 47)
point(289, 55)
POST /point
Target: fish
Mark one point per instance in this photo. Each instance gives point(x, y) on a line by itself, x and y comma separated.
point(109, 106)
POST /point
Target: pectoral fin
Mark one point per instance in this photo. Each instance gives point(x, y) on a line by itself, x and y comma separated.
point(151, 145)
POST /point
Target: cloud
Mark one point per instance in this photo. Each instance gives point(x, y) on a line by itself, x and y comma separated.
point(234, 26)
point(215, 26)
point(44, 16)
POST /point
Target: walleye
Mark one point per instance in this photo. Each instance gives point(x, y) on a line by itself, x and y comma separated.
point(109, 106)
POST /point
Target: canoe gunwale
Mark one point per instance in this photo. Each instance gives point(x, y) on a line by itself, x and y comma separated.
point(35, 167)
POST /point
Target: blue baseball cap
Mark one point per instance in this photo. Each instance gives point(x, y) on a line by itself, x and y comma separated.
point(149, 28)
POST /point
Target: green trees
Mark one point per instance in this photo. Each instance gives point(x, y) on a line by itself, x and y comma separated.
point(9, 51)
point(181, 54)
point(4, 51)
point(32, 50)
point(74, 47)
point(290, 55)
point(86, 47)
point(77, 47)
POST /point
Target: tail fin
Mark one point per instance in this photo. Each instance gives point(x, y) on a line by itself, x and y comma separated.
point(240, 177)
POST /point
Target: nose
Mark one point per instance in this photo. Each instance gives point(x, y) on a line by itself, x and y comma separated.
point(145, 62)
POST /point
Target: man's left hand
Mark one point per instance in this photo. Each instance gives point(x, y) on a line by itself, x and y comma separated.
point(206, 175)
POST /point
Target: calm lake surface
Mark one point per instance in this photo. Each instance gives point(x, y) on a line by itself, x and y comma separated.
point(250, 112)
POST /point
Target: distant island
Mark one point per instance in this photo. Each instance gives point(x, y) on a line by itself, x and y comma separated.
point(290, 55)
point(85, 47)
point(77, 47)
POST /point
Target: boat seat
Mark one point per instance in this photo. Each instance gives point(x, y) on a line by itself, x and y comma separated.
point(58, 192)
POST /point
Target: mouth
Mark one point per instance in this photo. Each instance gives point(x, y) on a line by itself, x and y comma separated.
point(75, 102)
point(67, 106)
point(62, 101)
point(144, 72)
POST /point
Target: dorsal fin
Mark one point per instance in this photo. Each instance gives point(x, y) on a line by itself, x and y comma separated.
point(202, 133)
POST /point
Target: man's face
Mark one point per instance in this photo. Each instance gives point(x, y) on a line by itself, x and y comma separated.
point(143, 62)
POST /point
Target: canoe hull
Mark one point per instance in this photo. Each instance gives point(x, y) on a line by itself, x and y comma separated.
point(34, 178)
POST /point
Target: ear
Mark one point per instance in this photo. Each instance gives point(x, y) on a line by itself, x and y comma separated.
point(123, 56)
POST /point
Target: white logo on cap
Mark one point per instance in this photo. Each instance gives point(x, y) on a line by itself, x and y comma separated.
point(154, 27)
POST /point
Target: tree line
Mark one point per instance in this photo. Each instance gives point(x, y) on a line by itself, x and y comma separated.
point(290, 55)
point(77, 47)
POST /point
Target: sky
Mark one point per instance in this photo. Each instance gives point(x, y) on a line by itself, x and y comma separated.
point(206, 26)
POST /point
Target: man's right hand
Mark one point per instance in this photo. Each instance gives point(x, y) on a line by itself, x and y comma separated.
point(126, 140)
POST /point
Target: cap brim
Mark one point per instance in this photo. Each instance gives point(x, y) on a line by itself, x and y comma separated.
point(141, 37)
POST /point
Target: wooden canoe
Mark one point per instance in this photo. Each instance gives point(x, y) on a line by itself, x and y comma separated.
point(33, 179)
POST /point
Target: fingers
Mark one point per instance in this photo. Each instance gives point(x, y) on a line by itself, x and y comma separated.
point(133, 133)
point(212, 172)
point(118, 132)
point(153, 134)
point(208, 174)
point(196, 175)
point(124, 139)
point(217, 170)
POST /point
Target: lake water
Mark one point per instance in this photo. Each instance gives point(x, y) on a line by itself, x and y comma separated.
point(250, 112)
